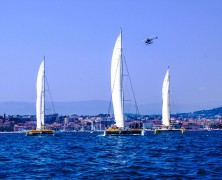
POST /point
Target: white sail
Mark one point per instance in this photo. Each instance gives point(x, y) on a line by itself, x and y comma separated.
point(40, 100)
point(166, 99)
point(116, 82)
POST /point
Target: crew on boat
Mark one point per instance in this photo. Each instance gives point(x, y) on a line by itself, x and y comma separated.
point(112, 127)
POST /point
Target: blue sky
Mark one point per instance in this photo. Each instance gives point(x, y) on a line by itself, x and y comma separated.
point(77, 38)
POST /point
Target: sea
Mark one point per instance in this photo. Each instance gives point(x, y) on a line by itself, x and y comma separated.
point(83, 155)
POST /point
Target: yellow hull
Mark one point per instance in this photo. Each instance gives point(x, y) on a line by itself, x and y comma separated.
point(156, 131)
point(40, 132)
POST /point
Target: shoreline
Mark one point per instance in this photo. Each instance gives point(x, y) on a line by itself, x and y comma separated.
point(146, 130)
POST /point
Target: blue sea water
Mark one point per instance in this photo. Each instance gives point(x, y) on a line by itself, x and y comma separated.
point(172, 155)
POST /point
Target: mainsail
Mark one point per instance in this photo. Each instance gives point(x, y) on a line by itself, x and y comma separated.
point(166, 99)
point(40, 100)
point(116, 82)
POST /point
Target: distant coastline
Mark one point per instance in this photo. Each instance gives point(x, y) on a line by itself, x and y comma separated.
point(199, 120)
point(101, 131)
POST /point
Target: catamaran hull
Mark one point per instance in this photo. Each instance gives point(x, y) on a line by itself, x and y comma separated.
point(118, 132)
point(156, 131)
point(40, 132)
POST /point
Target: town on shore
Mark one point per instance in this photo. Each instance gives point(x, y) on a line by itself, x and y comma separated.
point(199, 120)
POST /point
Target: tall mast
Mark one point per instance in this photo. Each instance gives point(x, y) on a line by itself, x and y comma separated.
point(121, 64)
point(169, 94)
point(43, 93)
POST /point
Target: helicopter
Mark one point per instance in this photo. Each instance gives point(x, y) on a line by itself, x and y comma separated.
point(150, 40)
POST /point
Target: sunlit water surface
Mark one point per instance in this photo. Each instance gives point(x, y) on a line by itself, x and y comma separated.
point(172, 155)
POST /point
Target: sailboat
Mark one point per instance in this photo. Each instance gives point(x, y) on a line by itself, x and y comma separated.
point(40, 105)
point(118, 94)
point(166, 123)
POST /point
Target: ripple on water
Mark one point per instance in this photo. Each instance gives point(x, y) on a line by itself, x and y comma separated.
point(91, 156)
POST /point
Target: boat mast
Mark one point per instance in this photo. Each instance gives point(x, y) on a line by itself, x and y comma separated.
point(121, 64)
point(43, 95)
point(169, 94)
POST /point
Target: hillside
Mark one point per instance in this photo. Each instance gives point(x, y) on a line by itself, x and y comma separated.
point(208, 114)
